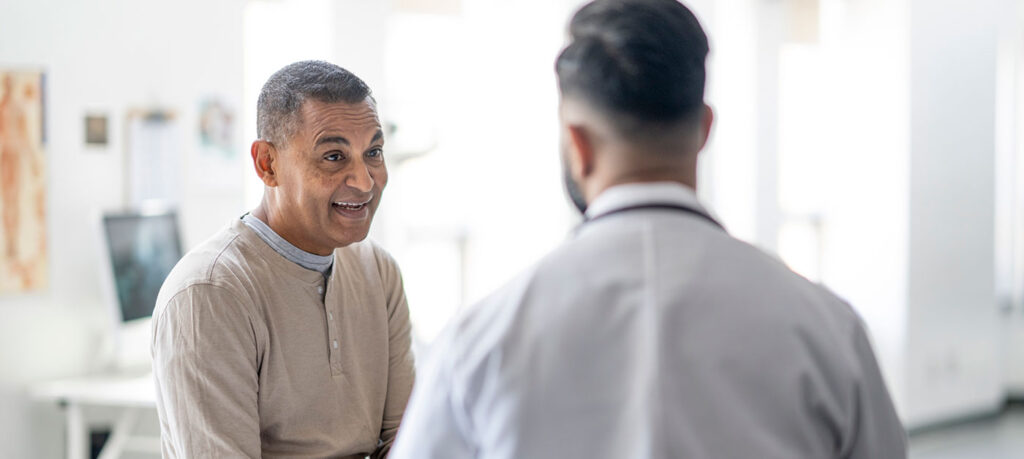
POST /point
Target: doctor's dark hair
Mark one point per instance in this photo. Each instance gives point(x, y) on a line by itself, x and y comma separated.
point(641, 61)
point(278, 109)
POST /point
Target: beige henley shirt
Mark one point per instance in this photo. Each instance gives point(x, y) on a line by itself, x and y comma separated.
point(255, 356)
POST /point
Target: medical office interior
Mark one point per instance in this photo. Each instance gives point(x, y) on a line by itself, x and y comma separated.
point(875, 146)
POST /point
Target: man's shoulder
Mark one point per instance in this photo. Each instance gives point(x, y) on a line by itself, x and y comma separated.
point(706, 266)
point(756, 290)
point(765, 274)
point(369, 254)
point(364, 250)
point(220, 263)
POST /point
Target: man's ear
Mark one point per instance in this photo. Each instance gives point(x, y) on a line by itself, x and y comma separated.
point(581, 151)
point(707, 120)
point(263, 156)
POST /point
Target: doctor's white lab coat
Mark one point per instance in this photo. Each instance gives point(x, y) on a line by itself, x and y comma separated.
point(653, 334)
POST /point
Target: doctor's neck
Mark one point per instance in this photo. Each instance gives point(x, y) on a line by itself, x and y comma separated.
point(622, 169)
point(668, 157)
point(606, 153)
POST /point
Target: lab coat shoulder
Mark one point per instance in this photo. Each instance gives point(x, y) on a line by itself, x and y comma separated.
point(736, 273)
point(827, 349)
point(757, 290)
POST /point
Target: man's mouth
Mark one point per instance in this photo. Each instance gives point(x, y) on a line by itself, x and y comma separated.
point(351, 205)
point(353, 209)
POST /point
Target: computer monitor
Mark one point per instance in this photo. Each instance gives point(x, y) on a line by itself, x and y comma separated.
point(140, 249)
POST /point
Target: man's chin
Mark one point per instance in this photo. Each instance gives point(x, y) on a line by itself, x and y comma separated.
point(349, 237)
point(343, 230)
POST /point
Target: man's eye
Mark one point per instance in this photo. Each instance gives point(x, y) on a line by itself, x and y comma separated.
point(375, 153)
point(333, 157)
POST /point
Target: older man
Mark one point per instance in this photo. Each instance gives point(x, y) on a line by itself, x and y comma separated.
point(286, 334)
point(652, 333)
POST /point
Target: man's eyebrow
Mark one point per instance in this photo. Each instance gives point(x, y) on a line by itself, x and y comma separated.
point(378, 136)
point(333, 139)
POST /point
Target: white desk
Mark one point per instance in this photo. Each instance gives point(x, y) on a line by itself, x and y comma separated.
point(131, 394)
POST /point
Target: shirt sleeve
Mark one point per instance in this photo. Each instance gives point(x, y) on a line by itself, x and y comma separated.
point(878, 430)
point(205, 363)
point(401, 371)
point(435, 427)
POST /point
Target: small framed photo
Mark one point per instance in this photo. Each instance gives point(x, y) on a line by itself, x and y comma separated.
point(96, 130)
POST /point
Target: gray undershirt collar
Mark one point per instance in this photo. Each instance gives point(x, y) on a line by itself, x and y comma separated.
point(310, 261)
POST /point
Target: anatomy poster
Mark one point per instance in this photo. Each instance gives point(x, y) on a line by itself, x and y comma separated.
point(23, 260)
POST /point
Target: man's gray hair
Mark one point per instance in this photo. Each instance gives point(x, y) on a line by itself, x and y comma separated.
point(282, 96)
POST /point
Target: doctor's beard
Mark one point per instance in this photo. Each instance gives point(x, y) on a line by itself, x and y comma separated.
point(573, 188)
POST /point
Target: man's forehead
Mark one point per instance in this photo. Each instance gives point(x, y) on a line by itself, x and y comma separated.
point(340, 115)
point(364, 106)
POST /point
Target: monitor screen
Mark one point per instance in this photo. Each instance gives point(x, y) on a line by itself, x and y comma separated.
point(142, 249)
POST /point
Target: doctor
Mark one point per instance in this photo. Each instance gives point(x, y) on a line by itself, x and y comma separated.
point(652, 333)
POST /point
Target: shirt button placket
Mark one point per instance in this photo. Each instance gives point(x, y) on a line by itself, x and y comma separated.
point(335, 360)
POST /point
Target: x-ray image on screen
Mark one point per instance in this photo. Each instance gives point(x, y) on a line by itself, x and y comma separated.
point(142, 249)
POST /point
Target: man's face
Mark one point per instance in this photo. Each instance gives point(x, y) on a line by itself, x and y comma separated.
point(331, 175)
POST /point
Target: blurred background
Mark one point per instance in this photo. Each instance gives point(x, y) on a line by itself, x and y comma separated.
point(876, 146)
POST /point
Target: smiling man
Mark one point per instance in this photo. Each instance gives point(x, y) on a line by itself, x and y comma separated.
point(286, 334)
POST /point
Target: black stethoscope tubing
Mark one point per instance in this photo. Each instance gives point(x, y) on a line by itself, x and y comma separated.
point(659, 206)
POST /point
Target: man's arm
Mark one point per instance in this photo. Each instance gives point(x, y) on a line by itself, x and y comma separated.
point(879, 432)
point(205, 362)
point(401, 371)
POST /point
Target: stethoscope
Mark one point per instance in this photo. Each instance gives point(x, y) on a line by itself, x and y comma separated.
point(658, 206)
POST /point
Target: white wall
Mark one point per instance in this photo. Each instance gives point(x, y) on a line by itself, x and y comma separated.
point(728, 165)
point(864, 235)
point(1010, 196)
point(108, 57)
point(953, 363)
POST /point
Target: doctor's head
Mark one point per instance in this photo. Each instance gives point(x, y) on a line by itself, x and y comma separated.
point(320, 155)
point(632, 96)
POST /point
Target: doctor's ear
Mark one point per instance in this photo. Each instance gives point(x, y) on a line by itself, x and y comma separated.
point(707, 120)
point(581, 151)
point(263, 156)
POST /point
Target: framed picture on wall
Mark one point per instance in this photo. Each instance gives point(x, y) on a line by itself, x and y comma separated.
point(23, 245)
point(96, 130)
point(154, 158)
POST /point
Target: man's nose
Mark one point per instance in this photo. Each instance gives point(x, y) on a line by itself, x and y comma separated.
point(360, 179)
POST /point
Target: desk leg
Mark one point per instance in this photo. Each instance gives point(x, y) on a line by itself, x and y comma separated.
point(77, 431)
point(121, 434)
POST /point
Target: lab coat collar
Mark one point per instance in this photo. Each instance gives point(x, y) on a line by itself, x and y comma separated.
point(631, 194)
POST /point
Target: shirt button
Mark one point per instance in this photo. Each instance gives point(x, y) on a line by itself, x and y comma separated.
point(335, 344)
point(319, 290)
point(330, 315)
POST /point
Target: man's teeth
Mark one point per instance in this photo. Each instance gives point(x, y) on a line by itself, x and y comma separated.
point(350, 205)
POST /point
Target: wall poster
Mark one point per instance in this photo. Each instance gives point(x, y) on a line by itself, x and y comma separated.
point(23, 251)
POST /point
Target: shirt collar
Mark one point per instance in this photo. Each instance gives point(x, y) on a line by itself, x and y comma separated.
point(254, 242)
point(631, 194)
point(310, 261)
